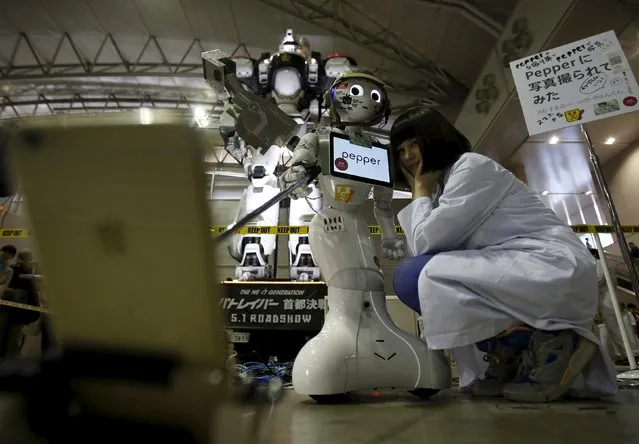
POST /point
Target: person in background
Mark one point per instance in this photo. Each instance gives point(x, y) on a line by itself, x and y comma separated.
point(22, 290)
point(634, 250)
point(8, 334)
point(7, 253)
point(607, 311)
point(494, 269)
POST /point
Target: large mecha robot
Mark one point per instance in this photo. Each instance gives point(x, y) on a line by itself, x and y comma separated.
point(359, 347)
point(293, 78)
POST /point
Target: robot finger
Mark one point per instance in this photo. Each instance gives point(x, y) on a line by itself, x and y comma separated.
point(302, 192)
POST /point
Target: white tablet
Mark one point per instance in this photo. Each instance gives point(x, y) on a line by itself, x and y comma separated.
point(369, 164)
point(120, 219)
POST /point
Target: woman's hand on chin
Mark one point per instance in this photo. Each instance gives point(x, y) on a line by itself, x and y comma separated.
point(424, 184)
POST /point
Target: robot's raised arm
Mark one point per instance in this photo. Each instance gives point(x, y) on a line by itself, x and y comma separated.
point(307, 150)
point(258, 121)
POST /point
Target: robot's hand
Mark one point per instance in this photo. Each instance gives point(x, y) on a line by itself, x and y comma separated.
point(393, 248)
point(293, 175)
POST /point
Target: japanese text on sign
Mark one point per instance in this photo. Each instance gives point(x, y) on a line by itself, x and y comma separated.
point(575, 83)
point(287, 306)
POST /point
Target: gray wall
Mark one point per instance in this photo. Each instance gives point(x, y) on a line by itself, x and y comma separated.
point(222, 212)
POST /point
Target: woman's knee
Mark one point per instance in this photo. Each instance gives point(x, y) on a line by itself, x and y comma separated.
point(406, 280)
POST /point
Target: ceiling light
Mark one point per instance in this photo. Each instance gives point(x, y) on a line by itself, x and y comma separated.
point(610, 140)
point(588, 193)
point(545, 193)
point(201, 116)
point(553, 140)
point(146, 117)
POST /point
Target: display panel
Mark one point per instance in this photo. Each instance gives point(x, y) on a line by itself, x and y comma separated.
point(358, 163)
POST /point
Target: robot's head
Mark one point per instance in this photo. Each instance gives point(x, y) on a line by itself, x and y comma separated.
point(289, 43)
point(357, 97)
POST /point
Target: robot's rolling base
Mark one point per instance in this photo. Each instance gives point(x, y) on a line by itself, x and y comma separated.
point(359, 347)
point(372, 354)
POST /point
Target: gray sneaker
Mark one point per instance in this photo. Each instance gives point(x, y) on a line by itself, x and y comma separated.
point(503, 363)
point(550, 366)
point(502, 354)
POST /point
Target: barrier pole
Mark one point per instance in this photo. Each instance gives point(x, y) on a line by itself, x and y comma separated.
point(615, 304)
point(605, 193)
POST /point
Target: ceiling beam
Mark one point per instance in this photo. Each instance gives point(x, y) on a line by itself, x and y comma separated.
point(17, 107)
point(32, 67)
point(330, 16)
point(468, 11)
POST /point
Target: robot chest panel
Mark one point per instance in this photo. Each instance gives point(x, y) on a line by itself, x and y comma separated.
point(342, 191)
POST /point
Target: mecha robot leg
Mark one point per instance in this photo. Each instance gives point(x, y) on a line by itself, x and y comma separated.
point(253, 250)
point(303, 267)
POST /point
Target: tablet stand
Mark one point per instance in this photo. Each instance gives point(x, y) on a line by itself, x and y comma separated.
point(54, 410)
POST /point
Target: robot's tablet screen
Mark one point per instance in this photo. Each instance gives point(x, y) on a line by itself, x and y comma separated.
point(359, 163)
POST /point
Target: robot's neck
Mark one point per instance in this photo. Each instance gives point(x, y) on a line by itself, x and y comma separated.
point(352, 129)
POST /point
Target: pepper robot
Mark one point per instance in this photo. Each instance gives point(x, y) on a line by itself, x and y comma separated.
point(359, 346)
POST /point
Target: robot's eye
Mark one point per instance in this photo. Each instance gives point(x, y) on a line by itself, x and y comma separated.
point(376, 96)
point(356, 90)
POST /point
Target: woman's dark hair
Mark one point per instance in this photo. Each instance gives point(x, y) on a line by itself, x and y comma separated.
point(440, 143)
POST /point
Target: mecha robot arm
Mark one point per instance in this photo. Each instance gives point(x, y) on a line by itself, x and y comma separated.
point(259, 122)
point(392, 244)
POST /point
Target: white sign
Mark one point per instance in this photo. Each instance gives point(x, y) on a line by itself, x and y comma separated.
point(576, 83)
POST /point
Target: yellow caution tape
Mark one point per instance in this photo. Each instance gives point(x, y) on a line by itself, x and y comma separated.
point(628, 229)
point(375, 230)
point(24, 306)
point(14, 233)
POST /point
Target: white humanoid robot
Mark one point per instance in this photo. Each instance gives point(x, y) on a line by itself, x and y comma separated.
point(252, 251)
point(290, 78)
point(359, 346)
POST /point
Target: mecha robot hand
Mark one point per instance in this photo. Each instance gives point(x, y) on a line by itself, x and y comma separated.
point(292, 175)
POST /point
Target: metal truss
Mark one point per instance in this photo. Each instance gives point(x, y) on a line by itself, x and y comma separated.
point(332, 15)
point(91, 64)
point(83, 66)
point(470, 12)
point(39, 104)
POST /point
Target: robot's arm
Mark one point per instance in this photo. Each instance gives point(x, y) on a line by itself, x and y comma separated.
point(383, 210)
point(306, 151)
point(304, 160)
point(259, 122)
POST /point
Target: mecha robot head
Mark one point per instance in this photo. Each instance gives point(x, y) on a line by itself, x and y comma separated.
point(357, 97)
point(289, 43)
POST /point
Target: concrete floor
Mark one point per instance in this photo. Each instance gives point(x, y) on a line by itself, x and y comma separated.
point(399, 418)
point(449, 417)
point(452, 417)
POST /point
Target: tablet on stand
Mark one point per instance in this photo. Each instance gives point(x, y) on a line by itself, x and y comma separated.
point(369, 163)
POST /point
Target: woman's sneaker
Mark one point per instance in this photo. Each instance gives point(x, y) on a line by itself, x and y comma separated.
point(550, 366)
point(502, 354)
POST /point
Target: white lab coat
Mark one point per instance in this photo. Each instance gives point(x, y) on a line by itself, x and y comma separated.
point(504, 259)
